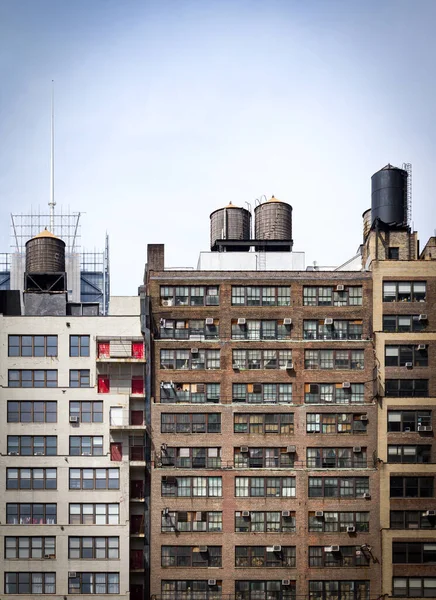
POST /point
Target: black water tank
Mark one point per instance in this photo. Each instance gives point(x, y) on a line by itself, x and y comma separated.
point(389, 195)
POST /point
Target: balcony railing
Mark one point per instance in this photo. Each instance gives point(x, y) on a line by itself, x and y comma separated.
point(190, 398)
point(190, 333)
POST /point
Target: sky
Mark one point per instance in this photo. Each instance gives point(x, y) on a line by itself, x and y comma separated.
point(169, 109)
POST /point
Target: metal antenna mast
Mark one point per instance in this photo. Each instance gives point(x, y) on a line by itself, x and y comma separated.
point(52, 202)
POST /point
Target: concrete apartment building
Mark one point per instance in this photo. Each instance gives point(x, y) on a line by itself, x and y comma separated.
point(72, 457)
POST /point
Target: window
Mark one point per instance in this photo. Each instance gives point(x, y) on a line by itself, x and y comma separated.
point(87, 412)
point(265, 487)
point(32, 378)
point(334, 359)
point(278, 423)
point(190, 589)
point(265, 590)
point(334, 423)
point(32, 345)
point(337, 458)
point(348, 556)
point(332, 296)
point(263, 458)
point(260, 330)
point(32, 445)
point(265, 522)
point(192, 487)
point(32, 412)
point(261, 296)
point(335, 393)
point(191, 556)
point(262, 359)
point(185, 521)
point(30, 583)
point(94, 583)
point(409, 454)
point(79, 345)
point(411, 487)
point(175, 329)
point(79, 378)
point(412, 519)
point(191, 423)
point(189, 360)
point(393, 253)
point(31, 514)
point(404, 291)
point(86, 445)
point(94, 479)
point(191, 458)
point(94, 514)
point(262, 393)
point(335, 522)
point(338, 487)
point(30, 547)
point(402, 323)
point(338, 330)
point(190, 393)
point(401, 356)
point(107, 548)
point(189, 296)
point(265, 556)
point(408, 420)
point(413, 587)
point(338, 590)
point(31, 479)
point(404, 388)
point(414, 553)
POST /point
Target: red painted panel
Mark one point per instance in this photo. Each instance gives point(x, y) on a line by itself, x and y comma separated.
point(137, 417)
point(137, 385)
point(137, 350)
point(116, 451)
point(136, 559)
point(103, 384)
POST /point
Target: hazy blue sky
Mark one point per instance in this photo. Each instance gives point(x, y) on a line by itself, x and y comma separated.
point(167, 110)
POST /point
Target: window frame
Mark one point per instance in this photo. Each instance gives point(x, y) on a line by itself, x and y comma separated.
point(33, 449)
point(82, 345)
point(94, 479)
point(32, 479)
point(83, 550)
point(47, 542)
point(32, 378)
point(93, 513)
point(29, 517)
point(33, 346)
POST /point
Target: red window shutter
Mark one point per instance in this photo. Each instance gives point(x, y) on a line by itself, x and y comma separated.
point(116, 451)
point(103, 384)
point(137, 385)
point(104, 350)
point(137, 350)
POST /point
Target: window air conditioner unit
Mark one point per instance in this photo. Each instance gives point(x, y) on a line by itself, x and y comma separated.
point(286, 513)
point(340, 288)
point(287, 321)
point(211, 582)
point(408, 365)
point(366, 495)
point(74, 419)
point(241, 321)
point(357, 449)
point(194, 350)
point(38, 454)
point(359, 553)
point(425, 428)
point(289, 365)
point(202, 548)
point(332, 549)
point(167, 302)
point(291, 449)
point(407, 430)
point(328, 399)
point(363, 417)
point(86, 453)
point(245, 513)
point(71, 574)
point(13, 454)
point(328, 321)
point(49, 555)
point(346, 385)
point(421, 347)
point(430, 513)
point(274, 549)
point(209, 321)
point(319, 513)
point(243, 449)
point(351, 529)
point(422, 317)
point(286, 582)
point(235, 366)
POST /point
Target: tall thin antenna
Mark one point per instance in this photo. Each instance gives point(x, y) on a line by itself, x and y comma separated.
point(52, 202)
